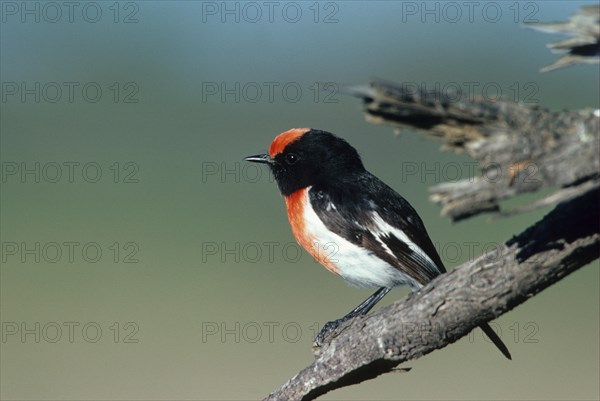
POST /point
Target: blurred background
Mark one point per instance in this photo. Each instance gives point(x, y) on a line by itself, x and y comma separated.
point(142, 259)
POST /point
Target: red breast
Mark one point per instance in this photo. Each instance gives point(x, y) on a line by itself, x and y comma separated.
point(296, 204)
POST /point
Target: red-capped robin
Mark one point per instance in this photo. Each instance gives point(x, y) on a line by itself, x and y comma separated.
point(350, 221)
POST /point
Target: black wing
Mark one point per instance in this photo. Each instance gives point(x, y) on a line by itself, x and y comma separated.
point(366, 212)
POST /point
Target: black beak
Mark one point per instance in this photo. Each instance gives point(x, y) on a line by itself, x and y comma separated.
point(264, 158)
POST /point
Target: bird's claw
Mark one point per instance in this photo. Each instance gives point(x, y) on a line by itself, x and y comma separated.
point(327, 329)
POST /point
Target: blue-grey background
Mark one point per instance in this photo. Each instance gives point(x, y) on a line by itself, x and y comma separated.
point(199, 290)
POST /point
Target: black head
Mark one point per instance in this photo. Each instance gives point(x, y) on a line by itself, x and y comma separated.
point(303, 157)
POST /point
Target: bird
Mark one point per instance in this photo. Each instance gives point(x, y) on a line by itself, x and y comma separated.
point(350, 221)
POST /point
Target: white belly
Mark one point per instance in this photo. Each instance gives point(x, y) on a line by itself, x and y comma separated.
point(357, 265)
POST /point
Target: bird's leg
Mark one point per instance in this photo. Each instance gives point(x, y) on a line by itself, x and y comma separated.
point(361, 309)
point(369, 303)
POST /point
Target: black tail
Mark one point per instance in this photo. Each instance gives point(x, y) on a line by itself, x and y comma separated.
point(495, 339)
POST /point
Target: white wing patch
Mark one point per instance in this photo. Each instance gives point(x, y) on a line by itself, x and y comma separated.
point(385, 228)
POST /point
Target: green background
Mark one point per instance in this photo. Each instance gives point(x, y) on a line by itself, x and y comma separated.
point(194, 195)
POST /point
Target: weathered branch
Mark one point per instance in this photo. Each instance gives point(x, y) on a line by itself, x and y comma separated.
point(455, 303)
point(519, 148)
point(583, 45)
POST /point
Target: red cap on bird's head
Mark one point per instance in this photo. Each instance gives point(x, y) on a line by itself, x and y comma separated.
point(284, 139)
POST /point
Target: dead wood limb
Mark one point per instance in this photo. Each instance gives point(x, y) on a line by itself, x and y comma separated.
point(519, 148)
point(583, 45)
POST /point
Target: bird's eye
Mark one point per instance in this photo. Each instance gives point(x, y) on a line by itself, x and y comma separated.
point(291, 158)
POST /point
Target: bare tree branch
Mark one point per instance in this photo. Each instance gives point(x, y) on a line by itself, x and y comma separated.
point(519, 148)
point(584, 44)
point(455, 303)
